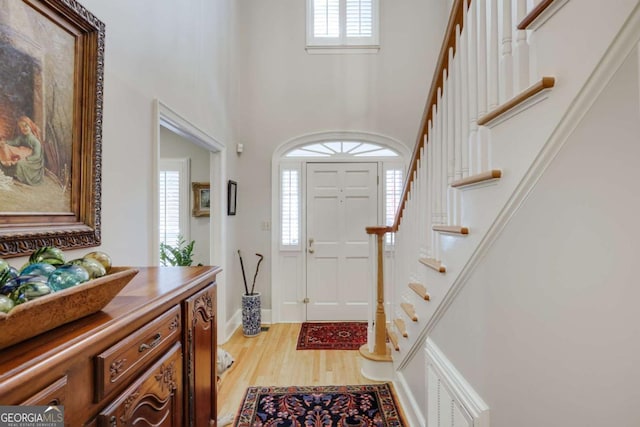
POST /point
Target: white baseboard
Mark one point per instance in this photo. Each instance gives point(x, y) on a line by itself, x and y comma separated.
point(230, 327)
point(266, 316)
point(236, 322)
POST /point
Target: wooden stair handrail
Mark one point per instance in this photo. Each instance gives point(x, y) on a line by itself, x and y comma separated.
point(378, 229)
point(533, 15)
point(449, 41)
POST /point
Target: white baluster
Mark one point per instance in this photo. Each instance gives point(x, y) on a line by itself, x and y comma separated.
point(472, 39)
point(494, 56)
point(506, 60)
point(463, 99)
point(482, 80)
point(440, 148)
point(521, 53)
point(429, 215)
point(482, 56)
point(458, 107)
point(424, 217)
point(449, 159)
point(436, 169)
point(447, 141)
point(419, 196)
point(414, 223)
point(456, 146)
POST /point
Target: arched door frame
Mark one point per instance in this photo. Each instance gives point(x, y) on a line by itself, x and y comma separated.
point(279, 158)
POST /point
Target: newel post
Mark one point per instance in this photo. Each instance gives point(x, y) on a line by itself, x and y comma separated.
point(380, 352)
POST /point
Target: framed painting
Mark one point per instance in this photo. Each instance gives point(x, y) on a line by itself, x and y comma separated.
point(51, 75)
point(201, 198)
point(232, 197)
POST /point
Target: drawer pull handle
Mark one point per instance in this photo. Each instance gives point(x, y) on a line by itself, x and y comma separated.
point(156, 340)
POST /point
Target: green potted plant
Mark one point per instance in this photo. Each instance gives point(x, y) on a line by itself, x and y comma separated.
point(179, 255)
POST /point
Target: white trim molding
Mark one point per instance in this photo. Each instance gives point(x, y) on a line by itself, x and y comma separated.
point(464, 399)
point(402, 149)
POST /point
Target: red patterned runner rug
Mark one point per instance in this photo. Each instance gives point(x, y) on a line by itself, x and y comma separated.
point(332, 336)
point(371, 405)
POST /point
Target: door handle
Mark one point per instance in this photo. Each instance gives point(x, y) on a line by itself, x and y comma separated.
point(310, 247)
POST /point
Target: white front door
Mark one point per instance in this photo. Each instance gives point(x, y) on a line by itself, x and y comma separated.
point(341, 202)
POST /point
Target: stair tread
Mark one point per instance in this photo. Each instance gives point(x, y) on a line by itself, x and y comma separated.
point(455, 229)
point(402, 328)
point(420, 289)
point(393, 338)
point(410, 310)
point(434, 264)
point(476, 179)
point(543, 84)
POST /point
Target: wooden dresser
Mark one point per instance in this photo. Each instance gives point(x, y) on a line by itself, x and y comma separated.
point(149, 355)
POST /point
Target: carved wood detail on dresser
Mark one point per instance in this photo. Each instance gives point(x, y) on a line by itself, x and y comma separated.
point(148, 355)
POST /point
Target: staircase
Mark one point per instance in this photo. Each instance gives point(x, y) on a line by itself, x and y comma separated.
point(508, 78)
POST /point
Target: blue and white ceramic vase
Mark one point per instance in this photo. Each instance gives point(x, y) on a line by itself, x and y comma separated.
point(251, 317)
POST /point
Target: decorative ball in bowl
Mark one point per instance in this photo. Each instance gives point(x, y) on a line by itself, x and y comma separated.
point(39, 299)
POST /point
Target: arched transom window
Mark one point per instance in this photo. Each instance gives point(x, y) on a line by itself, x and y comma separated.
point(342, 149)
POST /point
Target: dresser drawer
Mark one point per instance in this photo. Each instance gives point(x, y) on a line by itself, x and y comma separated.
point(52, 395)
point(153, 399)
point(122, 360)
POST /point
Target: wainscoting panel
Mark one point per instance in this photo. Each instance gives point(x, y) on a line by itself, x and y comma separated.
point(451, 400)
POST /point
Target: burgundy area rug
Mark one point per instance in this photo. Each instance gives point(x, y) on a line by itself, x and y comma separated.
point(332, 336)
point(370, 405)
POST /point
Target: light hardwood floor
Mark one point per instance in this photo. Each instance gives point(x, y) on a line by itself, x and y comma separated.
point(271, 359)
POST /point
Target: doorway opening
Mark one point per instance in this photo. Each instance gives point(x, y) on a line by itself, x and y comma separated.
point(170, 124)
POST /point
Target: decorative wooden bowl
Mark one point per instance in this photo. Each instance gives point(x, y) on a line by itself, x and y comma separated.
point(50, 311)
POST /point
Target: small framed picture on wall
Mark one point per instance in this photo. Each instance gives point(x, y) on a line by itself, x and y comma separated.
point(201, 198)
point(232, 194)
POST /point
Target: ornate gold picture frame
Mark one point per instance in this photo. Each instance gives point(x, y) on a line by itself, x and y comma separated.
point(50, 125)
point(201, 199)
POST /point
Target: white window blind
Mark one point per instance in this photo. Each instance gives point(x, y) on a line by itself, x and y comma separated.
point(359, 18)
point(326, 18)
point(174, 200)
point(290, 207)
point(169, 206)
point(393, 193)
point(342, 23)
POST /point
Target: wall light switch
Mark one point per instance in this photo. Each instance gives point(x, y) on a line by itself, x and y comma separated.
point(266, 226)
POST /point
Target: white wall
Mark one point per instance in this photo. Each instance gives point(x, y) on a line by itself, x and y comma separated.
point(155, 50)
point(545, 329)
point(175, 146)
point(286, 92)
point(183, 55)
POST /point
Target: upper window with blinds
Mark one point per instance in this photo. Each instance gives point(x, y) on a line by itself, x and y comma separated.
point(342, 23)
